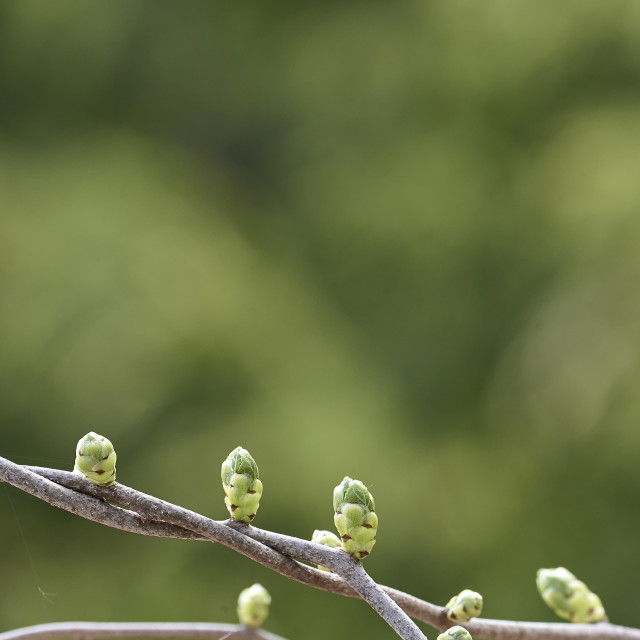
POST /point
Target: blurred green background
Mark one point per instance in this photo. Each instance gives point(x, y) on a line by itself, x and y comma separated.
point(398, 241)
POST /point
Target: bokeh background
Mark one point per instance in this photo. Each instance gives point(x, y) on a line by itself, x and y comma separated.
point(398, 241)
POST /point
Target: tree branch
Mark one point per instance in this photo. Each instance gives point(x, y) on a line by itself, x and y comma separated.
point(147, 515)
point(96, 630)
point(152, 509)
point(93, 506)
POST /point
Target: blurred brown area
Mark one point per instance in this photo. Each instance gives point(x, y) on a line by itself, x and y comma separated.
point(396, 241)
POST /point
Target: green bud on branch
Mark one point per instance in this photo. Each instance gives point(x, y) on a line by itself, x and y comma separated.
point(326, 538)
point(241, 485)
point(465, 606)
point(253, 605)
point(569, 597)
point(96, 459)
point(455, 633)
point(355, 517)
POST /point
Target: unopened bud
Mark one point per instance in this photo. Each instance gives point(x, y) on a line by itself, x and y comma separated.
point(96, 459)
point(465, 606)
point(253, 605)
point(455, 633)
point(241, 485)
point(569, 597)
point(355, 517)
point(328, 539)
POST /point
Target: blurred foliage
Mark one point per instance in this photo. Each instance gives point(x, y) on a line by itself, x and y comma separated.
point(396, 241)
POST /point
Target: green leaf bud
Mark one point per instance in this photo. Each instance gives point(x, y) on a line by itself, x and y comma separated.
point(354, 517)
point(253, 605)
point(96, 459)
point(241, 485)
point(455, 633)
point(569, 597)
point(328, 539)
point(465, 606)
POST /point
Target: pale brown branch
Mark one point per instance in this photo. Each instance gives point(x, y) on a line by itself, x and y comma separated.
point(152, 509)
point(93, 506)
point(99, 630)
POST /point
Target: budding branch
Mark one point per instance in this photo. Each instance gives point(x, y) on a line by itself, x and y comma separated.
point(124, 508)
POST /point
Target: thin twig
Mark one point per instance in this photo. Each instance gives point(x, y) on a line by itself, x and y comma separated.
point(151, 516)
point(153, 509)
point(378, 600)
point(98, 630)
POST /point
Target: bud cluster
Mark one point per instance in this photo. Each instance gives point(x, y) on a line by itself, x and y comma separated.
point(253, 605)
point(96, 459)
point(465, 606)
point(455, 633)
point(241, 485)
point(355, 517)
